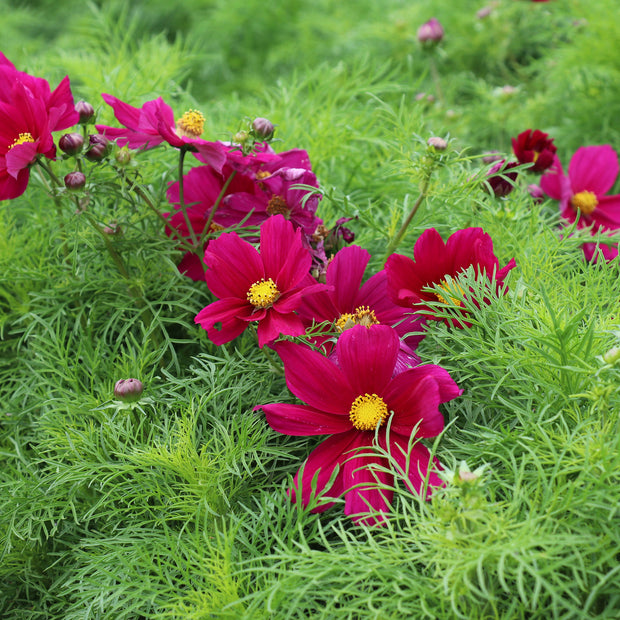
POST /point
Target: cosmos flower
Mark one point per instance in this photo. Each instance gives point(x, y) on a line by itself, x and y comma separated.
point(582, 192)
point(265, 287)
point(534, 146)
point(435, 262)
point(351, 400)
point(29, 112)
point(153, 123)
point(349, 302)
point(500, 180)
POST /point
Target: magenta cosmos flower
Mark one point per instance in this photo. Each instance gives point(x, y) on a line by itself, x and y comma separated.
point(29, 112)
point(265, 287)
point(592, 172)
point(153, 123)
point(534, 146)
point(349, 303)
point(434, 261)
point(352, 400)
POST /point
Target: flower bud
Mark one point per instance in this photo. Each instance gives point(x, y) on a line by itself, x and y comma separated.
point(491, 156)
point(241, 137)
point(484, 12)
point(128, 390)
point(86, 112)
point(439, 144)
point(71, 143)
point(612, 356)
point(431, 32)
point(263, 128)
point(75, 180)
point(99, 147)
point(536, 193)
point(123, 156)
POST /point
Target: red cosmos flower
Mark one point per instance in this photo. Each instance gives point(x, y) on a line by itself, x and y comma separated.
point(29, 112)
point(498, 176)
point(265, 287)
point(349, 303)
point(534, 146)
point(434, 261)
point(349, 400)
point(592, 172)
point(153, 123)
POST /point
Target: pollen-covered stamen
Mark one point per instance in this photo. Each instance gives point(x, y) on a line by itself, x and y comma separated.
point(213, 227)
point(21, 139)
point(191, 124)
point(263, 293)
point(585, 202)
point(368, 410)
point(365, 316)
point(277, 205)
point(444, 285)
point(345, 321)
point(262, 174)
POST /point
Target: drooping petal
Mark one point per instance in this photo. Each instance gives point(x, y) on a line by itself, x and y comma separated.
point(593, 169)
point(275, 324)
point(304, 420)
point(230, 314)
point(367, 489)
point(554, 183)
point(415, 463)
point(607, 213)
point(367, 356)
point(345, 273)
point(320, 465)
point(431, 257)
point(315, 379)
point(404, 282)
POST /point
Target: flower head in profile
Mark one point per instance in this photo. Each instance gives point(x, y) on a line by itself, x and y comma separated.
point(264, 287)
point(582, 192)
point(435, 263)
point(154, 123)
point(534, 146)
point(500, 180)
point(355, 401)
point(348, 302)
point(29, 112)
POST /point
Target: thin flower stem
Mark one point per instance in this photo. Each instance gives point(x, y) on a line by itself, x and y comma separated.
point(215, 206)
point(398, 237)
point(43, 165)
point(188, 223)
point(436, 80)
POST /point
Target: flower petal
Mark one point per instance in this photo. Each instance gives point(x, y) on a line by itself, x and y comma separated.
point(345, 273)
point(232, 313)
point(303, 420)
point(593, 169)
point(275, 324)
point(367, 356)
point(315, 379)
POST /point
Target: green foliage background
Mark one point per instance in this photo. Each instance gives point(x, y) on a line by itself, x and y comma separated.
point(178, 508)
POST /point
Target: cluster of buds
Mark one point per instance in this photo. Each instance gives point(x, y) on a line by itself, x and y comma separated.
point(259, 130)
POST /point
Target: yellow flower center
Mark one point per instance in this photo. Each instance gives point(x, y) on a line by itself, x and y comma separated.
point(263, 293)
point(585, 202)
point(21, 139)
point(262, 174)
point(444, 285)
point(276, 205)
point(191, 124)
point(363, 315)
point(368, 410)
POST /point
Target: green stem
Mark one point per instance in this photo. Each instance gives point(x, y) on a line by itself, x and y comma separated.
point(188, 223)
point(398, 237)
point(43, 165)
point(215, 206)
point(436, 80)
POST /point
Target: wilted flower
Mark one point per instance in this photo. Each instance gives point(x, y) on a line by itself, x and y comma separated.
point(436, 262)
point(499, 179)
point(534, 146)
point(265, 287)
point(352, 400)
point(430, 32)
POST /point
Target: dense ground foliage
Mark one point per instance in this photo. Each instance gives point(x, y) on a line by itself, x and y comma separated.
point(176, 506)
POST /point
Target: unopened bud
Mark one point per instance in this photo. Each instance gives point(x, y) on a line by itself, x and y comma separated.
point(123, 156)
point(99, 148)
point(75, 180)
point(439, 144)
point(128, 390)
point(241, 137)
point(431, 32)
point(86, 112)
point(263, 128)
point(71, 143)
point(612, 356)
point(536, 192)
